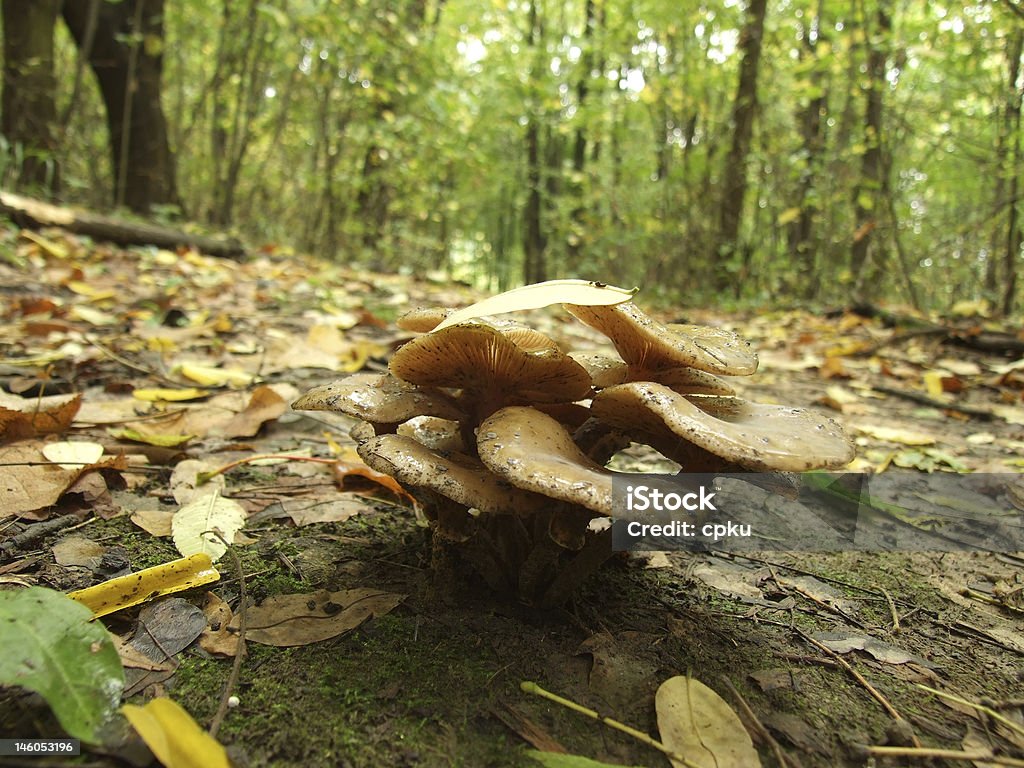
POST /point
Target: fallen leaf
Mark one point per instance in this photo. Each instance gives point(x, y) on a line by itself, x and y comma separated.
point(155, 522)
point(895, 434)
point(32, 418)
point(169, 395)
point(264, 405)
point(73, 455)
point(78, 551)
point(844, 642)
point(560, 760)
point(195, 526)
point(174, 737)
point(167, 578)
point(300, 619)
point(208, 376)
point(217, 638)
point(697, 723)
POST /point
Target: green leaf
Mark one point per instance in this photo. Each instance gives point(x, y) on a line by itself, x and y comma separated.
point(559, 760)
point(52, 647)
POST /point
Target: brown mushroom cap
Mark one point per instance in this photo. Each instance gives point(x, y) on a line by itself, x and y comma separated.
point(485, 364)
point(755, 436)
point(534, 452)
point(442, 435)
point(457, 477)
point(646, 344)
point(422, 319)
point(378, 398)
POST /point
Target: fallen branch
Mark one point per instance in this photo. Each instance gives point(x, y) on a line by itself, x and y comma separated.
point(33, 214)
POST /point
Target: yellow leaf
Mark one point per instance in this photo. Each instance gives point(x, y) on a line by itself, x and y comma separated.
point(788, 215)
point(54, 249)
point(84, 289)
point(150, 438)
point(91, 316)
point(169, 395)
point(193, 525)
point(895, 435)
point(174, 737)
point(586, 293)
point(933, 383)
point(134, 588)
point(209, 376)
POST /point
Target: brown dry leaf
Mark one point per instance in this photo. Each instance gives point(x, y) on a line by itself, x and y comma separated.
point(79, 551)
point(185, 484)
point(844, 642)
point(28, 481)
point(133, 658)
point(895, 434)
point(696, 722)
point(31, 416)
point(300, 619)
point(217, 638)
point(332, 508)
point(155, 522)
point(833, 368)
point(350, 465)
point(264, 405)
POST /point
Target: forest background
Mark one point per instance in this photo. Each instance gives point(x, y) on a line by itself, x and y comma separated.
point(798, 150)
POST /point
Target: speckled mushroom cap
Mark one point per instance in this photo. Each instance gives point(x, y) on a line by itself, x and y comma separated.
point(422, 319)
point(379, 398)
point(646, 344)
point(607, 372)
point(487, 365)
point(534, 452)
point(441, 435)
point(754, 436)
point(457, 477)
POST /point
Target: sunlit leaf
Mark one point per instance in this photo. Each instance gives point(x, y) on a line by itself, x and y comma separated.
point(174, 738)
point(583, 292)
point(73, 455)
point(208, 376)
point(194, 525)
point(150, 438)
point(169, 395)
point(51, 646)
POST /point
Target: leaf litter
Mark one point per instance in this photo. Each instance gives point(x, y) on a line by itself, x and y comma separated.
point(175, 385)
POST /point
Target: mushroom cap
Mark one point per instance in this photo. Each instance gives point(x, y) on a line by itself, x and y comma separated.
point(457, 477)
point(379, 398)
point(479, 359)
point(441, 435)
point(755, 436)
point(607, 372)
point(647, 344)
point(422, 319)
point(534, 452)
point(604, 371)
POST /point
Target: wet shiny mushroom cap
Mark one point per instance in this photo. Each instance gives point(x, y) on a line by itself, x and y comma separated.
point(646, 344)
point(752, 435)
point(422, 319)
point(457, 477)
point(488, 366)
point(378, 398)
point(532, 451)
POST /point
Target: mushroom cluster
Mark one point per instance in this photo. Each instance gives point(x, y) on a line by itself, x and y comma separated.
point(503, 437)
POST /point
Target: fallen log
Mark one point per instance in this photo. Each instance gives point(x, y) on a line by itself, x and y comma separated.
point(32, 214)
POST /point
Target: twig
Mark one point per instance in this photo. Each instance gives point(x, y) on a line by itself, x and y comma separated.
point(892, 610)
point(919, 397)
point(236, 667)
point(875, 693)
point(35, 532)
point(762, 731)
point(943, 754)
point(529, 687)
point(207, 476)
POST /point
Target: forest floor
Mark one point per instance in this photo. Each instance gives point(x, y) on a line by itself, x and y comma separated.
point(916, 638)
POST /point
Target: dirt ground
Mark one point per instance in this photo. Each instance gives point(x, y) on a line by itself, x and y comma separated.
point(436, 681)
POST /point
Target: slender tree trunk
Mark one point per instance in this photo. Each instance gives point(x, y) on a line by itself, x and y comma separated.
point(866, 192)
point(577, 234)
point(734, 187)
point(534, 238)
point(1015, 167)
point(128, 63)
point(29, 91)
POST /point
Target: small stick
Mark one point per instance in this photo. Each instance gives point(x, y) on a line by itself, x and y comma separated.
point(892, 609)
point(530, 687)
point(236, 667)
point(875, 693)
point(762, 731)
point(943, 754)
point(207, 476)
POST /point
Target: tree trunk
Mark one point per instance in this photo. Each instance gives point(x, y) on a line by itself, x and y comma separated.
point(745, 106)
point(1014, 167)
point(534, 239)
point(126, 56)
point(29, 91)
point(865, 193)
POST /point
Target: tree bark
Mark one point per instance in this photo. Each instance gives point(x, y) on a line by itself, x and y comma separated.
point(745, 107)
point(534, 239)
point(128, 62)
point(1014, 167)
point(29, 91)
point(865, 193)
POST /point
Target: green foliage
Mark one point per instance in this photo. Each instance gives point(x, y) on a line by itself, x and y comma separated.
point(52, 647)
point(396, 135)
